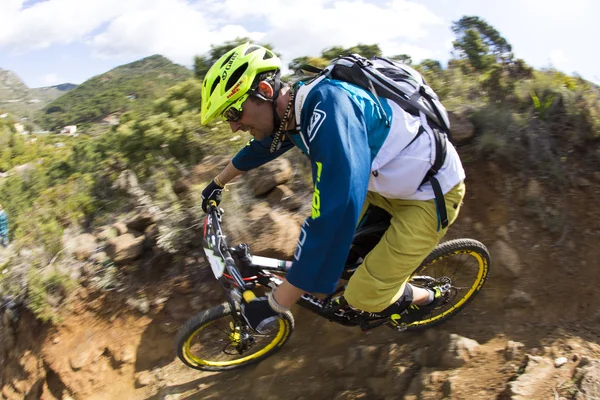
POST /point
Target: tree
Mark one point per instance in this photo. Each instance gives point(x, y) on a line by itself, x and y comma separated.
point(480, 43)
point(405, 58)
point(365, 50)
point(431, 65)
point(318, 62)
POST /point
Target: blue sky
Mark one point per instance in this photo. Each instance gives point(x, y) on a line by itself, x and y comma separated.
point(48, 42)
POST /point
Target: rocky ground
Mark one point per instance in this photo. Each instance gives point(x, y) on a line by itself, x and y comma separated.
point(532, 333)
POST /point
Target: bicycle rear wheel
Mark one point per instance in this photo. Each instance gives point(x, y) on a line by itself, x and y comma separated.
point(211, 341)
point(464, 265)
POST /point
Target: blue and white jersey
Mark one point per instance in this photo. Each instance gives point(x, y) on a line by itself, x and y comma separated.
point(343, 131)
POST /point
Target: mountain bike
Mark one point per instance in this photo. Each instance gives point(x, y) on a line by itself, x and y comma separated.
point(219, 339)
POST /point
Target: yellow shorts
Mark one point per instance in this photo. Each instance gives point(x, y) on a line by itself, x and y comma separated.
point(379, 281)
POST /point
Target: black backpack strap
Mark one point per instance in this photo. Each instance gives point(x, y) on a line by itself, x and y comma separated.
point(310, 68)
point(427, 97)
point(440, 158)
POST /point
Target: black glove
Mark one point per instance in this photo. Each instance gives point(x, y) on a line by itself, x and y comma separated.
point(211, 192)
point(259, 314)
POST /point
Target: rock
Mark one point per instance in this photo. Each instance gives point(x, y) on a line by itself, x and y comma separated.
point(462, 128)
point(425, 385)
point(107, 232)
point(478, 226)
point(447, 351)
point(362, 360)
point(536, 373)
point(534, 191)
point(266, 177)
point(285, 197)
point(560, 361)
point(125, 355)
point(139, 222)
point(354, 394)
point(81, 246)
point(151, 234)
point(588, 380)
point(448, 387)
point(210, 167)
point(503, 233)
point(140, 304)
point(519, 298)
point(271, 233)
point(333, 364)
point(9, 393)
point(386, 359)
point(24, 170)
point(120, 227)
point(507, 259)
point(583, 361)
point(125, 248)
point(144, 378)
point(181, 187)
point(512, 350)
point(178, 309)
point(78, 360)
point(582, 182)
point(100, 257)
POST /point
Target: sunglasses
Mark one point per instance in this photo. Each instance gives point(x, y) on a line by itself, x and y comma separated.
point(234, 112)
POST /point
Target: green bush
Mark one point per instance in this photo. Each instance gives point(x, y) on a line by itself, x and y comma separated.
point(46, 289)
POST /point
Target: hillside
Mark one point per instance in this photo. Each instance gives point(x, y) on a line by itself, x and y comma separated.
point(22, 101)
point(132, 87)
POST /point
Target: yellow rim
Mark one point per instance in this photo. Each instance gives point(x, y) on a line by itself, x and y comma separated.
point(483, 267)
point(281, 335)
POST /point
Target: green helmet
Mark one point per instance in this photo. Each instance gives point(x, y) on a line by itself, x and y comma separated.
point(232, 76)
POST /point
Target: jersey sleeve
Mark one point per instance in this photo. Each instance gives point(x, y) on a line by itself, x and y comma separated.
point(257, 153)
point(340, 157)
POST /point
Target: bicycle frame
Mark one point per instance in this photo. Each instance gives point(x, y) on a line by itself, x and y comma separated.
point(237, 271)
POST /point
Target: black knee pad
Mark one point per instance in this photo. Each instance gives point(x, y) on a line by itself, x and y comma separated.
point(402, 303)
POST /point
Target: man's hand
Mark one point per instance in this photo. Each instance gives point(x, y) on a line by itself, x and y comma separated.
point(258, 314)
point(211, 192)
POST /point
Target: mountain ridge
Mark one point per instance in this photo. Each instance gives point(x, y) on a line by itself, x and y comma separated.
point(129, 87)
point(16, 97)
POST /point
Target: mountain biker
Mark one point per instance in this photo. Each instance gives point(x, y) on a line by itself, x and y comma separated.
point(3, 227)
point(358, 159)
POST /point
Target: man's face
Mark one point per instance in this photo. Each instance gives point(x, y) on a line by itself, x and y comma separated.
point(257, 118)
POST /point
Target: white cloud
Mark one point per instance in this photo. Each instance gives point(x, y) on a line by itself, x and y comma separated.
point(560, 61)
point(301, 28)
point(417, 53)
point(40, 25)
point(179, 29)
point(51, 79)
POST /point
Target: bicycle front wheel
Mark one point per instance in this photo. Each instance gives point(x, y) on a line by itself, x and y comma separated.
point(463, 265)
point(212, 341)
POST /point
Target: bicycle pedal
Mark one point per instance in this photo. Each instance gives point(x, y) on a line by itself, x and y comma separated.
point(397, 328)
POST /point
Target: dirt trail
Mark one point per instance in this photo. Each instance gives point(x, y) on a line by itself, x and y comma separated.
point(102, 347)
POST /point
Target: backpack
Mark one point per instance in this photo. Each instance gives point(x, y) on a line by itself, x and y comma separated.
point(409, 89)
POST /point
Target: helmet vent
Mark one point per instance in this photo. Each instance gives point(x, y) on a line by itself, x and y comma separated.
point(227, 59)
point(268, 55)
point(235, 76)
point(215, 84)
point(250, 49)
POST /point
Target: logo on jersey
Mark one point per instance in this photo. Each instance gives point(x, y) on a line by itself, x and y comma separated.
point(316, 120)
point(301, 240)
point(316, 203)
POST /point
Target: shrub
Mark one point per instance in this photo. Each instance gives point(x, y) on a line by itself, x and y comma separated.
point(46, 292)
